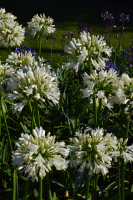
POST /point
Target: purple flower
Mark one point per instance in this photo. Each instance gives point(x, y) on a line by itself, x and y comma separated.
point(51, 37)
point(24, 49)
point(122, 17)
point(128, 57)
point(68, 35)
point(84, 27)
point(26, 33)
point(108, 20)
point(111, 65)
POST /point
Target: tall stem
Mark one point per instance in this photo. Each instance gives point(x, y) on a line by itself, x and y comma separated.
point(32, 116)
point(51, 50)
point(40, 45)
point(122, 179)
point(99, 111)
point(95, 187)
point(90, 67)
point(14, 185)
point(49, 188)
point(87, 185)
point(37, 113)
point(95, 110)
point(119, 183)
point(127, 126)
point(40, 188)
point(8, 135)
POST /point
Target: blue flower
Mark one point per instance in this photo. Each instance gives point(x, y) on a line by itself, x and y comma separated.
point(24, 49)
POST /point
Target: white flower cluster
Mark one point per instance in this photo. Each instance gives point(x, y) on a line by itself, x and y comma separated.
point(36, 155)
point(32, 83)
point(5, 72)
point(11, 33)
point(95, 151)
point(17, 59)
point(86, 49)
point(123, 90)
point(123, 151)
point(41, 25)
point(102, 84)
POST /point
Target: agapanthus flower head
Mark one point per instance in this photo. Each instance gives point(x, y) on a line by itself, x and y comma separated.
point(18, 59)
point(100, 83)
point(87, 49)
point(84, 27)
point(41, 25)
point(123, 151)
point(108, 20)
point(36, 154)
point(68, 35)
point(30, 83)
point(127, 56)
point(109, 65)
point(51, 37)
point(122, 17)
point(92, 151)
point(5, 71)
point(11, 33)
point(26, 49)
point(122, 90)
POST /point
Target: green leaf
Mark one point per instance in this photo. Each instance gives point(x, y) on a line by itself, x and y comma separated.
point(36, 194)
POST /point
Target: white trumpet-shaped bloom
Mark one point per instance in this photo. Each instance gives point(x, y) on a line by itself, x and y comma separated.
point(93, 151)
point(36, 154)
point(41, 25)
point(11, 33)
point(34, 83)
point(88, 48)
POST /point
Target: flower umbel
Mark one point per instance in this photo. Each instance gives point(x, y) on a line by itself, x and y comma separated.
point(92, 151)
point(37, 154)
point(32, 83)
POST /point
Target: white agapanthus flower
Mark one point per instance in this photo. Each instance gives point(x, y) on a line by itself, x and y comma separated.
point(123, 151)
point(41, 25)
point(36, 154)
point(100, 83)
point(92, 151)
point(5, 72)
point(11, 33)
point(88, 49)
point(31, 83)
point(123, 90)
point(17, 59)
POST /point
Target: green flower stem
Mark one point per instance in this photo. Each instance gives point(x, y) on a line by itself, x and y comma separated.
point(49, 188)
point(40, 45)
point(95, 110)
point(119, 184)
point(87, 185)
point(40, 189)
point(127, 126)
point(32, 116)
point(51, 50)
point(95, 187)
point(90, 67)
point(17, 194)
point(98, 112)
point(26, 189)
point(14, 185)
point(8, 135)
point(37, 113)
point(122, 179)
point(0, 126)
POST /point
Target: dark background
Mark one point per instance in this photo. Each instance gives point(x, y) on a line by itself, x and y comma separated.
point(83, 11)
